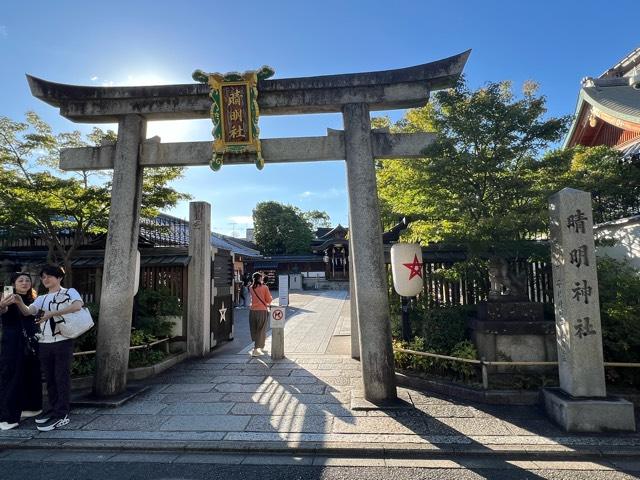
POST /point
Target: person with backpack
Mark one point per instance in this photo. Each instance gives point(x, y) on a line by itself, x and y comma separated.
point(56, 351)
point(259, 313)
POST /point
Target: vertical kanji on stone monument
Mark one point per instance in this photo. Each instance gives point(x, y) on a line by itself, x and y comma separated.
point(577, 307)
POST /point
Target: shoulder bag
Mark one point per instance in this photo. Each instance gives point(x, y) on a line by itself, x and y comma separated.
point(75, 324)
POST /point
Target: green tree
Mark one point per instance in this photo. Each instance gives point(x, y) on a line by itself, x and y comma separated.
point(281, 229)
point(317, 218)
point(62, 208)
point(476, 184)
point(614, 184)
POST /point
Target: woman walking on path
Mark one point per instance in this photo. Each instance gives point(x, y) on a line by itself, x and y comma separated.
point(20, 383)
point(259, 313)
point(56, 351)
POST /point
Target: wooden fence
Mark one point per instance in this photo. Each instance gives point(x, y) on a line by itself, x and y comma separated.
point(171, 278)
point(473, 287)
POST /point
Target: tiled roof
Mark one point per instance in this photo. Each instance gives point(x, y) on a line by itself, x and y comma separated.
point(621, 101)
point(224, 242)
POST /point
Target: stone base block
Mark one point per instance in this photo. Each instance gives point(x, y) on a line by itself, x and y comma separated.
point(610, 414)
point(90, 400)
point(358, 402)
point(515, 341)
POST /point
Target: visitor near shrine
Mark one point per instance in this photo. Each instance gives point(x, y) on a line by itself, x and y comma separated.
point(20, 385)
point(56, 351)
point(259, 314)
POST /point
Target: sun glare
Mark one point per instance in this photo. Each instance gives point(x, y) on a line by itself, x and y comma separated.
point(169, 130)
point(179, 130)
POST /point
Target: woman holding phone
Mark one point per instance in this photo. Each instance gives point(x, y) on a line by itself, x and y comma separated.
point(20, 384)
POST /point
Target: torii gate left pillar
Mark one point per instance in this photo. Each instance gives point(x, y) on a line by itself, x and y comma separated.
point(116, 299)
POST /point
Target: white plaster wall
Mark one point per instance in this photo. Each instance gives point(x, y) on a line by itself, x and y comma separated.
point(626, 232)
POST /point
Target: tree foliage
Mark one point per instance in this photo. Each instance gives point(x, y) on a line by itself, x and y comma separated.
point(476, 182)
point(281, 229)
point(317, 218)
point(38, 199)
point(614, 184)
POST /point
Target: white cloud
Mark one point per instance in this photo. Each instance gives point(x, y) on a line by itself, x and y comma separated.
point(4, 32)
point(242, 220)
point(94, 78)
point(330, 193)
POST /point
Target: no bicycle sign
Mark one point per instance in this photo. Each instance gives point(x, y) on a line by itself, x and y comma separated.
point(277, 317)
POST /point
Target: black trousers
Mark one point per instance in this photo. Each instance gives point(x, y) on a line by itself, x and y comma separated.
point(55, 361)
point(20, 385)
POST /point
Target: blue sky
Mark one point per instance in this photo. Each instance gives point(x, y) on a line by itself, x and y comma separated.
point(157, 42)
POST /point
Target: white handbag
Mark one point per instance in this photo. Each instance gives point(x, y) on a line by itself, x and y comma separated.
point(75, 324)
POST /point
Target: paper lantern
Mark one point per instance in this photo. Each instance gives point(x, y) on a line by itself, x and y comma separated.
point(406, 264)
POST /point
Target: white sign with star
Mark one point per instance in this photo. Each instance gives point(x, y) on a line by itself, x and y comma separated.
point(223, 313)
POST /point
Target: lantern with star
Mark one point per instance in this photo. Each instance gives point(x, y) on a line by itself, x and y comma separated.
point(406, 264)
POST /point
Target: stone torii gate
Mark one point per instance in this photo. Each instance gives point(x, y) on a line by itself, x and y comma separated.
point(353, 95)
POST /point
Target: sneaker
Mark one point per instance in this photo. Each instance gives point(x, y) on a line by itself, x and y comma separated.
point(30, 413)
point(43, 417)
point(54, 423)
point(254, 352)
point(8, 426)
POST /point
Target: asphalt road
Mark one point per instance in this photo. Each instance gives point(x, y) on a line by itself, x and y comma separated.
point(162, 466)
point(122, 471)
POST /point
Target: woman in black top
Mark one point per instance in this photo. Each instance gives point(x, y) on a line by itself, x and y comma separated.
point(20, 381)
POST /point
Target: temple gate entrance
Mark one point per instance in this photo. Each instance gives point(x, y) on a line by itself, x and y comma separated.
point(353, 95)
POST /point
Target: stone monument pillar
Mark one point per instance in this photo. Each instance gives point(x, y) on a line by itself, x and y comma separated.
point(581, 403)
point(199, 309)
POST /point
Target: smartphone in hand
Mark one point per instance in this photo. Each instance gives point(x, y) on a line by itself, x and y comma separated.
point(7, 292)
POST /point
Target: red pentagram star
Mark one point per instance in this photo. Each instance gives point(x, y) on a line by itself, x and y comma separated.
point(415, 267)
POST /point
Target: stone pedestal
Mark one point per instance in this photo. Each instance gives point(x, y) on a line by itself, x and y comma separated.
point(514, 331)
point(505, 311)
point(609, 414)
point(516, 341)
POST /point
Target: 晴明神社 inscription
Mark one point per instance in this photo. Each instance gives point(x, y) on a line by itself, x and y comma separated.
point(578, 331)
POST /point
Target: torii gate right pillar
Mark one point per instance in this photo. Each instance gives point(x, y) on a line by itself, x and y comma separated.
point(376, 352)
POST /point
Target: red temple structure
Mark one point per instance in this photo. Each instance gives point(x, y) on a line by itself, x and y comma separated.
point(608, 110)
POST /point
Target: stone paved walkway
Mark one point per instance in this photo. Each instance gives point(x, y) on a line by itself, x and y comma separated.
point(231, 401)
point(312, 322)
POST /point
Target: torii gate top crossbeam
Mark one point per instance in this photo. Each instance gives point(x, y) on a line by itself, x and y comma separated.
point(383, 90)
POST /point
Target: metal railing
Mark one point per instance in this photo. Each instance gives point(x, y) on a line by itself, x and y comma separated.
point(485, 364)
point(136, 347)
